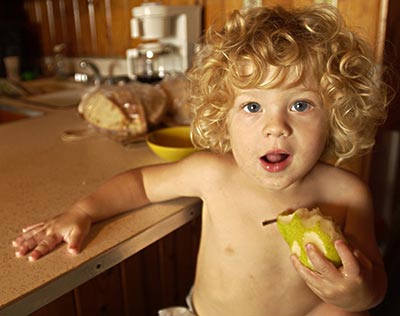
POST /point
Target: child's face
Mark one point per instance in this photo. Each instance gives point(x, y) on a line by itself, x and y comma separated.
point(278, 134)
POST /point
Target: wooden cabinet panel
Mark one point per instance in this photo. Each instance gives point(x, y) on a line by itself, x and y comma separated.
point(102, 295)
point(69, 30)
point(163, 273)
point(56, 19)
point(64, 306)
point(120, 33)
point(355, 14)
point(101, 27)
point(84, 37)
point(288, 3)
point(159, 276)
point(39, 17)
point(133, 283)
point(215, 12)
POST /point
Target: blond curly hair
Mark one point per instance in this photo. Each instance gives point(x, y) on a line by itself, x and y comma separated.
point(308, 40)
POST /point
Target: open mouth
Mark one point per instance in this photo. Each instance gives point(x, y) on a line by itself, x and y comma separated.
point(275, 157)
point(275, 161)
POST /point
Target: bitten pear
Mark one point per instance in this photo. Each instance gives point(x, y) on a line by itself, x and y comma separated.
point(309, 226)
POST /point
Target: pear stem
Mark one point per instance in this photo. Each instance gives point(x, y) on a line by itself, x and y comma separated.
point(269, 221)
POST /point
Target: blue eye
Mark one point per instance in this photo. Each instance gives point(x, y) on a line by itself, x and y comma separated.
point(300, 106)
point(252, 107)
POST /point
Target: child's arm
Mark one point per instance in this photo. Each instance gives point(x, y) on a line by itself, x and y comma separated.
point(360, 283)
point(119, 194)
point(124, 192)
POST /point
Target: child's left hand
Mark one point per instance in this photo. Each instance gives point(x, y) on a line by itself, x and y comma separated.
point(343, 287)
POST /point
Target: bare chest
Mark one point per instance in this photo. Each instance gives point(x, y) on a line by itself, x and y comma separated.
point(242, 261)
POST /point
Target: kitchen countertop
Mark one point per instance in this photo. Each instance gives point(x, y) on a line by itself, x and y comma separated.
point(41, 175)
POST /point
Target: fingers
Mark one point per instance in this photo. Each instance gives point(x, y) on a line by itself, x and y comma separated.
point(28, 233)
point(310, 277)
point(323, 278)
point(351, 263)
point(27, 241)
point(37, 240)
point(39, 244)
point(42, 238)
point(328, 282)
point(44, 247)
point(351, 266)
point(322, 268)
point(320, 264)
point(75, 241)
point(363, 260)
point(31, 227)
point(303, 270)
point(23, 247)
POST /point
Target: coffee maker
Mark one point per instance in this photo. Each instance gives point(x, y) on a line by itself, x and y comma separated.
point(169, 35)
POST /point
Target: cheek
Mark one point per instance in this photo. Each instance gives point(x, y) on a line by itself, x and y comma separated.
point(244, 150)
point(239, 137)
point(239, 143)
point(318, 136)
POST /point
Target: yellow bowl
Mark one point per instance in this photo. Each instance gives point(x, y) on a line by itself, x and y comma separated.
point(171, 143)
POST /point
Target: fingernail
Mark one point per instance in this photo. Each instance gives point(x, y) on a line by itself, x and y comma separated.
point(309, 246)
point(338, 243)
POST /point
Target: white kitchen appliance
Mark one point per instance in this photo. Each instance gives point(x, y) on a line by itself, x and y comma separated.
point(169, 35)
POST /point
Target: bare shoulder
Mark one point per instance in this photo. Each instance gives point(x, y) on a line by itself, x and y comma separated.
point(211, 164)
point(209, 169)
point(188, 177)
point(342, 184)
point(332, 172)
point(355, 208)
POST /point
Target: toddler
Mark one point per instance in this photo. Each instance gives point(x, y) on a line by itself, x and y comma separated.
point(272, 93)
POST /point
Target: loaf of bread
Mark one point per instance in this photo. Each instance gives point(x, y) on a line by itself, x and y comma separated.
point(135, 108)
point(175, 87)
point(153, 99)
point(114, 109)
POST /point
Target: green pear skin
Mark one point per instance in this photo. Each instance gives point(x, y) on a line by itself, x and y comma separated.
point(309, 226)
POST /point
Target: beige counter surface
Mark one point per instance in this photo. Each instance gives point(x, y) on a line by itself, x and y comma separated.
point(40, 176)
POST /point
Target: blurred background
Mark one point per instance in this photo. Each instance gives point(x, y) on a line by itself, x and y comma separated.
point(39, 32)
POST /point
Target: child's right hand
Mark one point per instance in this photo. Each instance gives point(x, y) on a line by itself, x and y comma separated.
point(71, 227)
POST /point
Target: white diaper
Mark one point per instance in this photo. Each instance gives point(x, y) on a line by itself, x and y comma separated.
point(179, 310)
point(175, 311)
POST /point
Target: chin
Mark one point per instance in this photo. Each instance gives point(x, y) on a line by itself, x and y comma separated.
point(274, 183)
point(282, 180)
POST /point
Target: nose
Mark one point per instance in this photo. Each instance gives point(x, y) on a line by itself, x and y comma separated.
point(277, 125)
